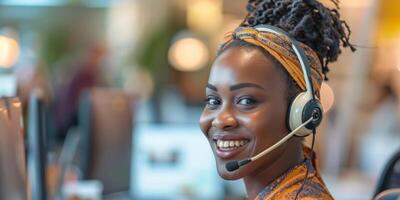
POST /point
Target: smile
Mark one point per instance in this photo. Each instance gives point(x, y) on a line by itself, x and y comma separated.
point(230, 144)
point(229, 148)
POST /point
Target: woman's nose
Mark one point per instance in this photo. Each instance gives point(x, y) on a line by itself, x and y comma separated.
point(225, 120)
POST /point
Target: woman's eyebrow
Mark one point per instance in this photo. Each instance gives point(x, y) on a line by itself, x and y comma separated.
point(244, 85)
point(212, 87)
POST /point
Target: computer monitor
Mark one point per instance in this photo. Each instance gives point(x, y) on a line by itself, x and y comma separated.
point(8, 83)
point(173, 161)
point(105, 122)
point(12, 151)
point(37, 146)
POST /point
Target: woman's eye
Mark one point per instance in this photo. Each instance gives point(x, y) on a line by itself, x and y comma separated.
point(246, 101)
point(212, 101)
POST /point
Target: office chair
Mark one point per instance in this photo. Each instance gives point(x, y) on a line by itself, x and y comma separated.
point(389, 194)
point(390, 178)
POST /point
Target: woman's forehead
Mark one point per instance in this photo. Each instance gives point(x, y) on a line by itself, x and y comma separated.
point(239, 65)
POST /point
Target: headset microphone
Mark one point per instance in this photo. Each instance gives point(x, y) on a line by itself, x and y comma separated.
point(234, 165)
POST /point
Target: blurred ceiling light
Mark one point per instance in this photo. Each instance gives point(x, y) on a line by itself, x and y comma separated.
point(9, 52)
point(327, 97)
point(204, 16)
point(188, 54)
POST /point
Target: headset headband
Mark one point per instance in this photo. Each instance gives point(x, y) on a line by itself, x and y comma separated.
point(305, 65)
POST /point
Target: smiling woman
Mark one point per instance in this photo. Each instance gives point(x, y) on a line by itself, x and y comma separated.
point(257, 81)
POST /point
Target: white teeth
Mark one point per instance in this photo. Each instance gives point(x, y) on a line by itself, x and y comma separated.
point(226, 143)
point(231, 143)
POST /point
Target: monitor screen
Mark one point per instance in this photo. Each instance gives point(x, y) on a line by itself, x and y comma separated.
point(173, 161)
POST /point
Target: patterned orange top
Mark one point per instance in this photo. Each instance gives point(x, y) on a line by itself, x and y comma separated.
point(286, 186)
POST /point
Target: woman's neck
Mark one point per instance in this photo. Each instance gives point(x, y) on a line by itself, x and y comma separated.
point(257, 181)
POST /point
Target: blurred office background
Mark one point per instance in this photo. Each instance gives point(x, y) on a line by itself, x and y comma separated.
point(116, 87)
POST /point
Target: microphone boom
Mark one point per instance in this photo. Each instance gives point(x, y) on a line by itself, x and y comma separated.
point(234, 165)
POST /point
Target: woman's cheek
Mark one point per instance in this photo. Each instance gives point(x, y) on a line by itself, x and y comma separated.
point(205, 122)
point(250, 120)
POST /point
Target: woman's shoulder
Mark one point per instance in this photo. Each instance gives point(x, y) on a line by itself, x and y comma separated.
point(315, 189)
point(292, 182)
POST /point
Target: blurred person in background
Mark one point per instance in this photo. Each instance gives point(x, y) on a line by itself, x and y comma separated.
point(88, 74)
point(251, 86)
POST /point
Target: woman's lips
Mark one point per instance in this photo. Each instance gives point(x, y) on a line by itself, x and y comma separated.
point(226, 149)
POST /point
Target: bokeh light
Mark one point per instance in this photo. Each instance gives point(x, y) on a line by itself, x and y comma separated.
point(188, 54)
point(204, 16)
point(9, 52)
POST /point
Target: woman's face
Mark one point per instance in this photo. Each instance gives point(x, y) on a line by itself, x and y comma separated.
point(246, 109)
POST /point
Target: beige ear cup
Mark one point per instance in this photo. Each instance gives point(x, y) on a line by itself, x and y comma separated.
point(296, 114)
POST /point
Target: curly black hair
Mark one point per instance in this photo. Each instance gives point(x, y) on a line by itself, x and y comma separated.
point(308, 21)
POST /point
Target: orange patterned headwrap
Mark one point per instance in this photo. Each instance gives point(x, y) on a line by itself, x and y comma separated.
point(281, 49)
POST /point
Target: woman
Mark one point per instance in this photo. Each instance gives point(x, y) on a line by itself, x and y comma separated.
point(253, 80)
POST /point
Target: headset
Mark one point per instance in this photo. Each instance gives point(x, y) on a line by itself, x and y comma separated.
point(306, 105)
